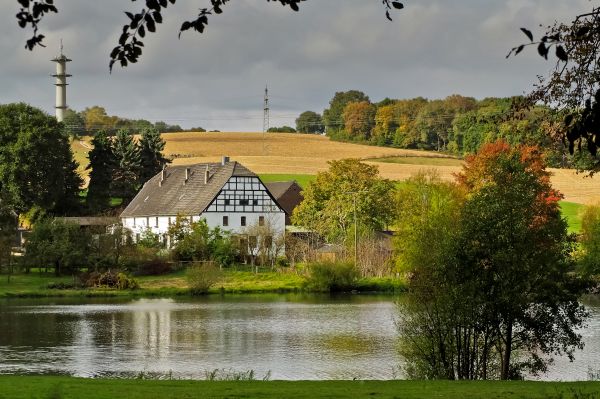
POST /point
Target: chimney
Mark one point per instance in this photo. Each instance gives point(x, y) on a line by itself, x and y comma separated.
point(187, 175)
point(224, 160)
point(206, 175)
point(162, 176)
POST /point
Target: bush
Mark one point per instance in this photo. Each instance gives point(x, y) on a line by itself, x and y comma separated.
point(202, 276)
point(154, 267)
point(109, 279)
point(332, 276)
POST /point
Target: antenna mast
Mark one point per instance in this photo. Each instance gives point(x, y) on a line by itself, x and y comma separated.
point(265, 119)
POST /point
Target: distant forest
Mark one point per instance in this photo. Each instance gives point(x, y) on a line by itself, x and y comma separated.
point(94, 119)
point(456, 125)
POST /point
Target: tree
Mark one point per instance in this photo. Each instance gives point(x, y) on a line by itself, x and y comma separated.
point(8, 236)
point(102, 163)
point(332, 117)
point(574, 84)
point(310, 122)
point(282, 129)
point(129, 48)
point(127, 166)
point(328, 205)
point(61, 245)
point(74, 124)
point(504, 298)
point(152, 160)
point(359, 120)
point(97, 119)
point(590, 240)
point(36, 163)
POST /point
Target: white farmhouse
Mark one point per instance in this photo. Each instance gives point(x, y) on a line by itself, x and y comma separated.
point(225, 194)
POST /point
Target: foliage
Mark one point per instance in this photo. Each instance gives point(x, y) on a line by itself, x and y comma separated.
point(202, 276)
point(359, 118)
point(74, 124)
point(310, 122)
point(36, 162)
point(573, 85)
point(332, 116)
point(282, 129)
point(58, 245)
point(590, 240)
point(493, 295)
point(152, 160)
point(128, 165)
point(109, 279)
point(197, 242)
point(332, 276)
point(328, 205)
point(101, 168)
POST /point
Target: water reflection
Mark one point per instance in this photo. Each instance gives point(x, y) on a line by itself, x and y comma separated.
point(292, 336)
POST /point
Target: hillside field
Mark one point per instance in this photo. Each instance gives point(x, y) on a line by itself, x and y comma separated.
point(303, 154)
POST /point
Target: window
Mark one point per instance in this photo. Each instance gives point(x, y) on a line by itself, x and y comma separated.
point(243, 221)
point(255, 202)
point(227, 202)
point(147, 221)
point(261, 220)
point(225, 220)
point(244, 202)
point(156, 224)
point(252, 242)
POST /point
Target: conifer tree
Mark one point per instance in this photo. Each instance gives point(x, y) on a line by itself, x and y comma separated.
point(127, 166)
point(101, 167)
point(152, 160)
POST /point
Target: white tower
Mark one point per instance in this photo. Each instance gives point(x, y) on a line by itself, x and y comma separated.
point(61, 84)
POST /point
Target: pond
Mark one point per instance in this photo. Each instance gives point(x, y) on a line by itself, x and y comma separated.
point(291, 337)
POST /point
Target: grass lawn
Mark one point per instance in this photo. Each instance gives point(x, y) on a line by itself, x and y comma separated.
point(416, 160)
point(302, 180)
point(175, 284)
point(21, 387)
point(572, 212)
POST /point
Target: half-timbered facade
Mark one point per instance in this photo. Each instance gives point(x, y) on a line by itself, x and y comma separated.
point(226, 195)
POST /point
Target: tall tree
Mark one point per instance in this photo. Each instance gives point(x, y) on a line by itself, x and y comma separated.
point(102, 163)
point(152, 160)
point(36, 163)
point(127, 166)
point(328, 205)
point(503, 299)
point(74, 124)
point(310, 122)
point(359, 120)
point(332, 116)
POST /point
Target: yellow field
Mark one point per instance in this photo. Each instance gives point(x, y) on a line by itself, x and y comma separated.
point(285, 153)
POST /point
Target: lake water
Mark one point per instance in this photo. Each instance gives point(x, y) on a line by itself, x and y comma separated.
point(292, 337)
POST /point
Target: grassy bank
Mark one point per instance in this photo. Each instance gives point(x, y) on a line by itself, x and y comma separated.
point(175, 284)
point(17, 387)
point(572, 212)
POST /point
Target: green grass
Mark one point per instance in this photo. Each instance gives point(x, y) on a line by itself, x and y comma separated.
point(572, 212)
point(302, 180)
point(413, 160)
point(26, 387)
point(175, 284)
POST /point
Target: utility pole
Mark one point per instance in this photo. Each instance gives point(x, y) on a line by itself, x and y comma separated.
point(354, 196)
point(265, 119)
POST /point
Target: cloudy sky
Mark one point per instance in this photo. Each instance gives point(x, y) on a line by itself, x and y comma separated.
point(433, 48)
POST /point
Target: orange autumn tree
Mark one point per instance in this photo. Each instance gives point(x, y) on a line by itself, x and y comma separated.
point(496, 297)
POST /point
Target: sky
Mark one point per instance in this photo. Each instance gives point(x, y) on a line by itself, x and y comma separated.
point(216, 80)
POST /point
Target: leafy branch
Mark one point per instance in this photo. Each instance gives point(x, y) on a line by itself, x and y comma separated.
point(31, 13)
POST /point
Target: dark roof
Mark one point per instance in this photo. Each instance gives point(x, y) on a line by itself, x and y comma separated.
point(278, 188)
point(90, 220)
point(288, 194)
point(175, 196)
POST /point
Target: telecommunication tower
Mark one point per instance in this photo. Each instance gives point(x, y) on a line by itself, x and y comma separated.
point(61, 84)
point(265, 120)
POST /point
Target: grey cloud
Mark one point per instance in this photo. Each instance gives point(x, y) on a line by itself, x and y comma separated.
point(433, 48)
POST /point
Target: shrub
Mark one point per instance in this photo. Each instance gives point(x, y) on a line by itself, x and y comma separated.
point(154, 267)
point(110, 279)
point(332, 276)
point(202, 276)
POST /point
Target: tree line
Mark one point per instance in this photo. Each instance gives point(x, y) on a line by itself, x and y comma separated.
point(94, 119)
point(456, 125)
